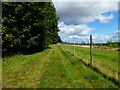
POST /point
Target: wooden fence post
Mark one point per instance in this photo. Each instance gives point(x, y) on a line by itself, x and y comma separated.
point(74, 46)
point(91, 50)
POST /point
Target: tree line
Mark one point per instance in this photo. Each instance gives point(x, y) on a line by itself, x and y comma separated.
point(108, 44)
point(28, 27)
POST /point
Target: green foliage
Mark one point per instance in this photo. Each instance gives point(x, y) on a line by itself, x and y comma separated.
point(100, 44)
point(109, 43)
point(28, 26)
point(115, 44)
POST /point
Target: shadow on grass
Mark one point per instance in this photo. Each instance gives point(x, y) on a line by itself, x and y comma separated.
point(32, 51)
point(23, 52)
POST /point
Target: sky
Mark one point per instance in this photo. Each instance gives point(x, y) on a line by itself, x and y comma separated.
point(79, 20)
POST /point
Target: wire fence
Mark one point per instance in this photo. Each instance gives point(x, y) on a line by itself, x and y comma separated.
point(101, 41)
point(94, 52)
point(105, 41)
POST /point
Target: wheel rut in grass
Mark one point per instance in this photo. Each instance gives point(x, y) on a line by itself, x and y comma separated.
point(65, 71)
point(76, 69)
point(52, 68)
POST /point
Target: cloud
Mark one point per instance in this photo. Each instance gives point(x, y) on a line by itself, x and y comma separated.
point(81, 33)
point(96, 38)
point(74, 29)
point(85, 0)
point(105, 19)
point(100, 38)
point(74, 37)
point(117, 32)
point(75, 16)
point(116, 36)
point(85, 12)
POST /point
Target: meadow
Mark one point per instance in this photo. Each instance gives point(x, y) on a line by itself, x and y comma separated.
point(104, 60)
point(56, 68)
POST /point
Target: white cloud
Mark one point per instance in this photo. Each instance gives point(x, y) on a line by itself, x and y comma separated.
point(85, 0)
point(116, 36)
point(81, 33)
point(74, 37)
point(105, 19)
point(117, 32)
point(85, 12)
point(96, 38)
point(74, 29)
point(100, 37)
point(75, 15)
point(80, 38)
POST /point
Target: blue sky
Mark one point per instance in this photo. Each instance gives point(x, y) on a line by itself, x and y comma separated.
point(105, 28)
point(78, 20)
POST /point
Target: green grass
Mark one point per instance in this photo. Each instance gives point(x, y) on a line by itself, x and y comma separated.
point(52, 68)
point(105, 60)
point(24, 70)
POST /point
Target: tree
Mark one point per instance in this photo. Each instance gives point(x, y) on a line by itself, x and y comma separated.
point(109, 43)
point(28, 27)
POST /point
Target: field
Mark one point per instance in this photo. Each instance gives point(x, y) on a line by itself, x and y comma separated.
point(56, 67)
point(105, 60)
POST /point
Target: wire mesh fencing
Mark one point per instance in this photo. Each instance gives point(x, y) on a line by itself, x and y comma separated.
point(102, 54)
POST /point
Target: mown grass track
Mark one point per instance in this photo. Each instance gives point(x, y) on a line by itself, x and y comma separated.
point(52, 68)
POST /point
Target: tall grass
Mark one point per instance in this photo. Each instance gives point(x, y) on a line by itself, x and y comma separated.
point(105, 60)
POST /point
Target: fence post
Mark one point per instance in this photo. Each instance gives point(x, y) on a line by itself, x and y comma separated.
point(74, 46)
point(68, 46)
point(91, 50)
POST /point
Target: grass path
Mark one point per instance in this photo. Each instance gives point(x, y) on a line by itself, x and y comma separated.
point(52, 68)
point(24, 70)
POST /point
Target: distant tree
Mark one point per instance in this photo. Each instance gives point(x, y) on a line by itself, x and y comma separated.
point(109, 43)
point(100, 44)
point(115, 44)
